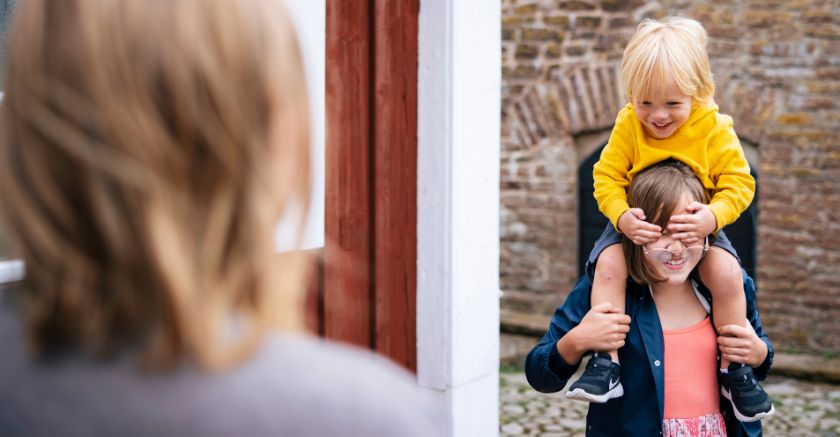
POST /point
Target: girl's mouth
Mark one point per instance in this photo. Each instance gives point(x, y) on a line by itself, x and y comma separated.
point(675, 264)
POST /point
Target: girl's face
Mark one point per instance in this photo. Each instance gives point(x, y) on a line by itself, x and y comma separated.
point(661, 117)
point(670, 258)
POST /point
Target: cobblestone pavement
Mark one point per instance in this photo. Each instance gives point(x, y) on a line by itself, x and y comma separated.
point(802, 409)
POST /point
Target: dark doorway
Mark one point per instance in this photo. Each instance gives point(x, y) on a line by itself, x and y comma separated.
point(592, 222)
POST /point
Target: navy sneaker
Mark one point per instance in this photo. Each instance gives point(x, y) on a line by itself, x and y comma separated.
point(749, 401)
point(600, 382)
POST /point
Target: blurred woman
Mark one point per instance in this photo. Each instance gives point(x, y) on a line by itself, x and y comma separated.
point(147, 151)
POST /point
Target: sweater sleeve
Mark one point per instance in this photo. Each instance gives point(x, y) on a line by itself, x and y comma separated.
point(610, 172)
point(730, 172)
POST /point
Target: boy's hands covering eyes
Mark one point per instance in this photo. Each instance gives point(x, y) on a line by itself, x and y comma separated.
point(695, 225)
point(632, 224)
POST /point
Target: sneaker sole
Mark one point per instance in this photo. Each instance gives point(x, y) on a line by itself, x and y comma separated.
point(582, 395)
point(744, 418)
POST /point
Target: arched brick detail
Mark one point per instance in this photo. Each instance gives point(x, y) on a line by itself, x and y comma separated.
point(576, 100)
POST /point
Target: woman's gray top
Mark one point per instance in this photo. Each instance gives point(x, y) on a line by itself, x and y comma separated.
point(295, 386)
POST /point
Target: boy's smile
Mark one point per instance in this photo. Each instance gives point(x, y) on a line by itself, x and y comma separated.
point(662, 116)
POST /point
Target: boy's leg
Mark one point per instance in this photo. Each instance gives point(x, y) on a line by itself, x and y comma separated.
point(610, 282)
point(720, 271)
point(601, 381)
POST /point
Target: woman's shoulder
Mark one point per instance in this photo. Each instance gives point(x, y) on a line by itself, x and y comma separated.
point(294, 385)
point(309, 360)
point(357, 388)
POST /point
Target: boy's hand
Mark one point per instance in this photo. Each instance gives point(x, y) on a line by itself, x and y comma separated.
point(740, 344)
point(694, 226)
point(632, 224)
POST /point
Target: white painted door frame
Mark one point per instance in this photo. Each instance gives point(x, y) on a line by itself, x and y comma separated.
point(458, 210)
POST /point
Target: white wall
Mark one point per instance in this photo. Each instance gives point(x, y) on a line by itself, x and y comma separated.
point(458, 210)
point(310, 18)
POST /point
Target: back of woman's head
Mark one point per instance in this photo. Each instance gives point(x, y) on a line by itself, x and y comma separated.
point(147, 150)
point(658, 191)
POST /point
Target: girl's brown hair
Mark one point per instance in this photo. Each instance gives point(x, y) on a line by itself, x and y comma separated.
point(148, 148)
point(658, 190)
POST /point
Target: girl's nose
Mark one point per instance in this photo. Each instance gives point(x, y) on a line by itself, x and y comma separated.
point(676, 247)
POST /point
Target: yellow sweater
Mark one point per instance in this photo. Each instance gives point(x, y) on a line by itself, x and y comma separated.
point(706, 142)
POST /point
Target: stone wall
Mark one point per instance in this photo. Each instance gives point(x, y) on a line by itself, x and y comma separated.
point(777, 70)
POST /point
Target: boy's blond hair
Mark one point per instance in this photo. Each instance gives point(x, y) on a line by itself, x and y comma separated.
point(147, 150)
point(674, 48)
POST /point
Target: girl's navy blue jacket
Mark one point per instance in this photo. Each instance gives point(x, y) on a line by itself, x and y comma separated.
point(639, 412)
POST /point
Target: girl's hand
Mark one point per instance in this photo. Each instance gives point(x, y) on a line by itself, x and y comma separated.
point(740, 344)
point(603, 328)
point(632, 224)
point(694, 226)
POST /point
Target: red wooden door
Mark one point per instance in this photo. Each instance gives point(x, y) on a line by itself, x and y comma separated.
point(367, 291)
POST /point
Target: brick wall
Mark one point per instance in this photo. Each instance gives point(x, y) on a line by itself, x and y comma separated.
point(777, 70)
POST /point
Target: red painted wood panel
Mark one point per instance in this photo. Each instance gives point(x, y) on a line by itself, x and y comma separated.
point(369, 294)
point(348, 225)
point(395, 179)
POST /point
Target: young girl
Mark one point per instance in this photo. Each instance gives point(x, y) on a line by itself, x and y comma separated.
point(671, 114)
point(669, 351)
point(147, 151)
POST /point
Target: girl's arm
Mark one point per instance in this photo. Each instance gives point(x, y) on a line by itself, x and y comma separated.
point(762, 369)
point(574, 330)
point(748, 344)
point(546, 370)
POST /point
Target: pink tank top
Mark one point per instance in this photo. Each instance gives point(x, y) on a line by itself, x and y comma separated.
point(691, 384)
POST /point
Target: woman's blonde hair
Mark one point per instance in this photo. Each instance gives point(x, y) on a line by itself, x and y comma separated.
point(674, 48)
point(658, 190)
point(148, 149)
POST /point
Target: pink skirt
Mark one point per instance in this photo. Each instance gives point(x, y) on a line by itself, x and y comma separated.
point(710, 425)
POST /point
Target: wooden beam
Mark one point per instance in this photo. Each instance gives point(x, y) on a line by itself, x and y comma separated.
point(395, 179)
point(371, 181)
point(348, 222)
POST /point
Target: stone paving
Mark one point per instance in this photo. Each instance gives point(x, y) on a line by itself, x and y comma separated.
point(802, 409)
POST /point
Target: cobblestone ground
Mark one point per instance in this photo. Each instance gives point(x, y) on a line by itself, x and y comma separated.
point(802, 409)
